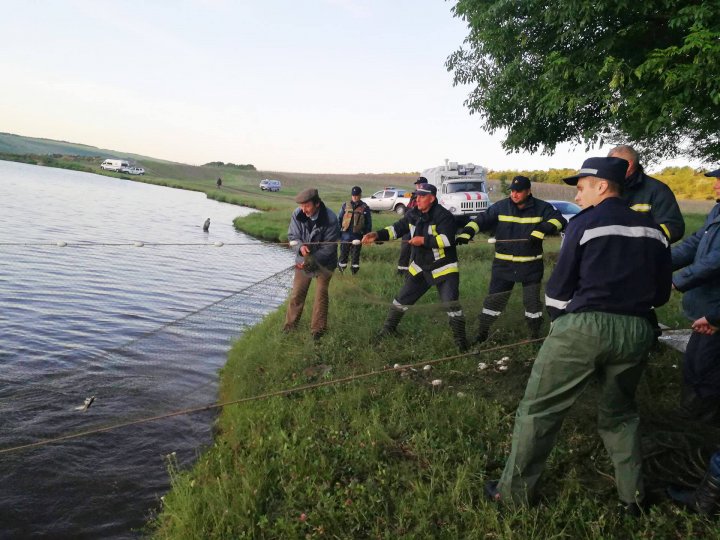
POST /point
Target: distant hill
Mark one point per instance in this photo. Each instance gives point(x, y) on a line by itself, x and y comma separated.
point(18, 144)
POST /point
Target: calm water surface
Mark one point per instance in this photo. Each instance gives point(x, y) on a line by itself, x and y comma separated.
point(143, 329)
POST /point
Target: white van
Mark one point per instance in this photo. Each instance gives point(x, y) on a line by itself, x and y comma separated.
point(117, 165)
point(270, 185)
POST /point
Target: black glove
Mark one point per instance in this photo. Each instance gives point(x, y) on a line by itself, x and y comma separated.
point(535, 241)
point(462, 239)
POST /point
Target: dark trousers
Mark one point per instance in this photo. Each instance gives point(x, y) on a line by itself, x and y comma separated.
point(497, 299)
point(701, 368)
point(405, 249)
point(348, 250)
point(416, 286)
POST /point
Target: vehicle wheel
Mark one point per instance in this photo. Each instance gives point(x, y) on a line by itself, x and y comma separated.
point(400, 209)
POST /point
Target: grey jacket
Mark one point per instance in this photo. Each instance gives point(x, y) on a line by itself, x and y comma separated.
point(324, 229)
point(699, 258)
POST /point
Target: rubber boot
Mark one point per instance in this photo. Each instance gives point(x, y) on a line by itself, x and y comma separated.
point(486, 322)
point(457, 325)
point(699, 409)
point(534, 325)
point(354, 270)
point(705, 499)
point(391, 323)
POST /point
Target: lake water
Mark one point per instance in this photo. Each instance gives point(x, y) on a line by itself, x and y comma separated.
point(143, 329)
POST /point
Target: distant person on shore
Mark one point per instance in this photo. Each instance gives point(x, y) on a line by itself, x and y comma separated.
point(433, 261)
point(219, 183)
point(698, 260)
point(405, 248)
point(206, 225)
point(613, 268)
point(644, 193)
point(355, 221)
point(314, 233)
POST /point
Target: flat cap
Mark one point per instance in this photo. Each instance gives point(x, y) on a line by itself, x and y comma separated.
point(306, 195)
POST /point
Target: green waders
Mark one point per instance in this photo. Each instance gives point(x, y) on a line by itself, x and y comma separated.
point(581, 346)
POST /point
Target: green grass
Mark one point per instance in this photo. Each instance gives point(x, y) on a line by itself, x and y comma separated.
point(394, 457)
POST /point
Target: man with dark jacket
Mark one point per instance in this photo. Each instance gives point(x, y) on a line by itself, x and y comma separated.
point(521, 222)
point(644, 193)
point(313, 233)
point(698, 259)
point(433, 261)
point(404, 259)
point(614, 267)
point(355, 221)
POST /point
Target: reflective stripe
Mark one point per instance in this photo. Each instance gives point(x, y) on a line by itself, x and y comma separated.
point(399, 305)
point(402, 267)
point(555, 222)
point(587, 171)
point(515, 219)
point(622, 230)
point(559, 304)
point(517, 258)
point(342, 265)
point(665, 229)
point(490, 312)
point(640, 207)
point(455, 313)
point(538, 234)
point(356, 266)
point(438, 253)
point(391, 232)
point(533, 315)
point(414, 269)
point(445, 270)
point(412, 230)
point(474, 226)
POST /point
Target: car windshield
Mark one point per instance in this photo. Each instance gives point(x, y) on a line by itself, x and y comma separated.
point(457, 187)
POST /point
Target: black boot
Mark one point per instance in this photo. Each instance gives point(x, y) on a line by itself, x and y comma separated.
point(457, 325)
point(705, 499)
point(354, 270)
point(486, 322)
point(534, 325)
point(391, 323)
point(699, 409)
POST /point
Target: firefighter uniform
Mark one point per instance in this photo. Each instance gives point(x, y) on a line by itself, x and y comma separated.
point(646, 194)
point(519, 233)
point(433, 263)
point(613, 268)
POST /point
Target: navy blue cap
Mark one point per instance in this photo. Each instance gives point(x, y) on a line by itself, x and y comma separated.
point(713, 173)
point(607, 168)
point(356, 190)
point(425, 189)
point(421, 180)
point(520, 183)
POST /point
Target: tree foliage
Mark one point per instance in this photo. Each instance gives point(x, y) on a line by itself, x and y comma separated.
point(644, 73)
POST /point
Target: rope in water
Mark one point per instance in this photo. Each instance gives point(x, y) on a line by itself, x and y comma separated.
point(276, 393)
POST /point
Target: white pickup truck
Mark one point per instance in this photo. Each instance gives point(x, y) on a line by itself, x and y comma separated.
point(390, 199)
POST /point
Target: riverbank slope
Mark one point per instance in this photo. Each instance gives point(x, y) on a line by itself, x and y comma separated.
point(394, 456)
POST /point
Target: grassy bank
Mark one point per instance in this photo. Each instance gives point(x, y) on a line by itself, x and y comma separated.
point(393, 456)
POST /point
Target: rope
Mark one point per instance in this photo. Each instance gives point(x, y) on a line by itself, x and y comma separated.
point(260, 397)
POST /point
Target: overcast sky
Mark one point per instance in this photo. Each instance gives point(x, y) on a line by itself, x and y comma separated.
point(292, 85)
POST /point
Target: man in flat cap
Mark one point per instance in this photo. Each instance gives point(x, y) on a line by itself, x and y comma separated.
point(314, 229)
point(698, 260)
point(355, 221)
point(520, 222)
point(433, 261)
point(614, 267)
